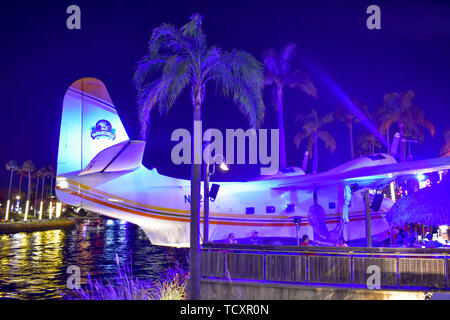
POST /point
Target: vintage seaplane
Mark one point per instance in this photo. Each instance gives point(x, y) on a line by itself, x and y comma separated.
point(100, 169)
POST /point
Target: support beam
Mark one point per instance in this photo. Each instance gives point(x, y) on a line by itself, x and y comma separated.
point(368, 232)
point(206, 204)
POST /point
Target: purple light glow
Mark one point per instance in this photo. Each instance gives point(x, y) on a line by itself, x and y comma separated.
point(345, 100)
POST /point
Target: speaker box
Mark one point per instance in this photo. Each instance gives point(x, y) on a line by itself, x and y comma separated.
point(376, 203)
point(214, 190)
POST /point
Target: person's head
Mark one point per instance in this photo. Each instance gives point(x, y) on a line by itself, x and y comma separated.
point(341, 240)
point(305, 238)
point(231, 236)
point(429, 236)
point(254, 234)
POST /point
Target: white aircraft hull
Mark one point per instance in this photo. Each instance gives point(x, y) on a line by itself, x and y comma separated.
point(100, 169)
point(163, 211)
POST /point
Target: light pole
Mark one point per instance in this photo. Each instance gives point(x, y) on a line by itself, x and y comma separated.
point(368, 231)
point(298, 222)
point(207, 174)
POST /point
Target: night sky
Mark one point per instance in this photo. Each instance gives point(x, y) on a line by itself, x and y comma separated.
point(40, 58)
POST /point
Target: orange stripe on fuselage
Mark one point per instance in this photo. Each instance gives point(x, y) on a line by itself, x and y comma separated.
point(255, 224)
point(117, 207)
point(186, 212)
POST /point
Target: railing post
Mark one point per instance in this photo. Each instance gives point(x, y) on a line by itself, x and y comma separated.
point(398, 271)
point(307, 270)
point(224, 272)
point(447, 285)
point(265, 268)
point(351, 267)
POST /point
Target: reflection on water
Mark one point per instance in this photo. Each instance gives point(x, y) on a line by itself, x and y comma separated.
point(33, 265)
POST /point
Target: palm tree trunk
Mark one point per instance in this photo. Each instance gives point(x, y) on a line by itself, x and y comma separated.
point(51, 187)
point(316, 153)
point(41, 207)
point(350, 130)
point(29, 185)
point(402, 144)
point(282, 141)
point(8, 203)
point(388, 142)
point(27, 203)
point(20, 186)
point(35, 195)
point(194, 259)
point(51, 194)
point(10, 184)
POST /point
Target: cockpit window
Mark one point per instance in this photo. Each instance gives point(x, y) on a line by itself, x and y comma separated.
point(374, 157)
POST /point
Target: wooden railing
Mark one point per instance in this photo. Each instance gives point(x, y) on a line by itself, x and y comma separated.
point(400, 268)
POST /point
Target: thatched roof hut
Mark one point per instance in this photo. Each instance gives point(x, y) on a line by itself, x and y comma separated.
point(428, 206)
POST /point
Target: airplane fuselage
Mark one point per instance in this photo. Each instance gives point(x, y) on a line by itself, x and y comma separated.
point(160, 205)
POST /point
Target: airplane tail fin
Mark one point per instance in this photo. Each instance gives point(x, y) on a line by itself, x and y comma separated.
point(89, 125)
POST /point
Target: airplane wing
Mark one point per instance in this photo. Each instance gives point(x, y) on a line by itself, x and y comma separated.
point(126, 155)
point(371, 177)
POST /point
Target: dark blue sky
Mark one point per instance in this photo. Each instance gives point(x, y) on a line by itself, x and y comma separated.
point(40, 58)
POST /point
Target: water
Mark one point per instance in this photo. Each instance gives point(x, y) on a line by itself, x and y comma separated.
point(33, 265)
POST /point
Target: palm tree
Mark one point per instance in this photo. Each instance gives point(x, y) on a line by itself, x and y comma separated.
point(37, 175)
point(367, 143)
point(398, 108)
point(10, 166)
point(44, 173)
point(313, 130)
point(51, 174)
point(343, 114)
point(28, 167)
point(279, 74)
point(22, 173)
point(179, 58)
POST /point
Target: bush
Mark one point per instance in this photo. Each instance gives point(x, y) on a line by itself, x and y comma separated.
point(171, 286)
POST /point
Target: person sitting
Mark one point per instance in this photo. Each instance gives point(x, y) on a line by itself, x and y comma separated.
point(305, 240)
point(341, 242)
point(430, 243)
point(402, 238)
point(254, 239)
point(231, 239)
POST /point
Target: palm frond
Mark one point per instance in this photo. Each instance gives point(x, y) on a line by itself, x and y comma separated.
point(146, 68)
point(193, 30)
point(238, 75)
point(327, 118)
point(285, 57)
point(163, 91)
point(299, 79)
point(330, 142)
point(299, 137)
point(271, 62)
point(180, 57)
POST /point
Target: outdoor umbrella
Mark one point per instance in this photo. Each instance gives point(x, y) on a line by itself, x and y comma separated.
point(428, 206)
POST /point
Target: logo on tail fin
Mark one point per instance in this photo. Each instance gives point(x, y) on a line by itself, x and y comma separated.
point(103, 129)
